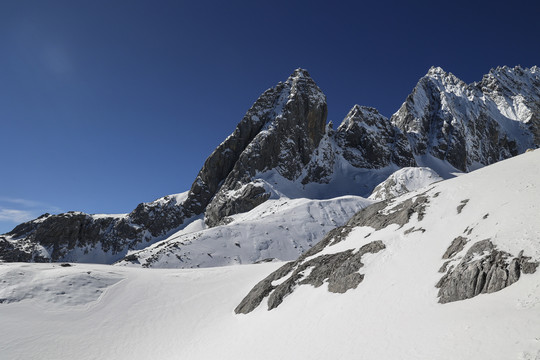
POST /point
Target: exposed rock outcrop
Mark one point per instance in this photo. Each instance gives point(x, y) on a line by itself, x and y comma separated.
point(483, 269)
point(456, 246)
point(57, 237)
point(339, 270)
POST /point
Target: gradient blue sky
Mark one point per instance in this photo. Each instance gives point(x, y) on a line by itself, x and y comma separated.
point(106, 104)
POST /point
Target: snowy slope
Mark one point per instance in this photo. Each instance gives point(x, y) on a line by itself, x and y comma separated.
point(392, 314)
point(403, 181)
point(485, 222)
point(277, 229)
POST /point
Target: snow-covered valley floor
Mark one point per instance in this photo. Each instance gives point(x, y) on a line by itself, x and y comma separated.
point(188, 314)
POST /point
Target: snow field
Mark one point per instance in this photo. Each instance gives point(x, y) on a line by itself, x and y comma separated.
point(277, 229)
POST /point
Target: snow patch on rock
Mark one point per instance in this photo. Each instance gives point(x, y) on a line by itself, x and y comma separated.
point(403, 181)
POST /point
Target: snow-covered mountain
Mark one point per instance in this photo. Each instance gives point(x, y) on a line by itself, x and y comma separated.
point(381, 287)
point(472, 125)
point(101, 238)
point(283, 149)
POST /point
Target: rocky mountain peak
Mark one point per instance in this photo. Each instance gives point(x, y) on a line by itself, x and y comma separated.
point(369, 140)
point(436, 70)
point(362, 116)
point(467, 125)
point(509, 81)
point(294, 124)
point(299, 73)
point(441, 80)
point(300, 79)
point(515, 93)
point(359, 111)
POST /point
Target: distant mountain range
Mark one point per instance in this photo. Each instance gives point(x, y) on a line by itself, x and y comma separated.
point(285, 177)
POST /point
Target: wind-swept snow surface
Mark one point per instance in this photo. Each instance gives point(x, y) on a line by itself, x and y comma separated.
point(394, 312)
point(187, 314)
point(279, 229)
point(403, 181)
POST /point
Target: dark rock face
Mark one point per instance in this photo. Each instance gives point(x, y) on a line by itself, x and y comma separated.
point(479, 123)
point(12, 253)
point(247, 197)
point(219, 165)
point(54, 237)
point(457, 245)
point(462, 205)
point(493, 271)
point(262, 290)
point(370, 141)
point(365, 139)
point(339, 270)
point(294, 125)
point(156, 217)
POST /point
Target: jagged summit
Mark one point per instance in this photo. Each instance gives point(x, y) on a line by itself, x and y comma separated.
point(472, 125)
point(369, 140)
point(438, 78)
point(293, 122)
point(366, 115)
point(516, 69)
point(355, 109)
point(436, 70)
point(301, 82)
point(299, 72)
point(361, 110)
point(513, 72)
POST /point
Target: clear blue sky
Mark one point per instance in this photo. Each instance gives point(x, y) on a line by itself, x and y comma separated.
point(106, 104)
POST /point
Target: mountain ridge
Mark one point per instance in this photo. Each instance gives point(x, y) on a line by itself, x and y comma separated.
point(283, 148)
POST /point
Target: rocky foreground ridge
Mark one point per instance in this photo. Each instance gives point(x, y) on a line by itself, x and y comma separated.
point(283, 147)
